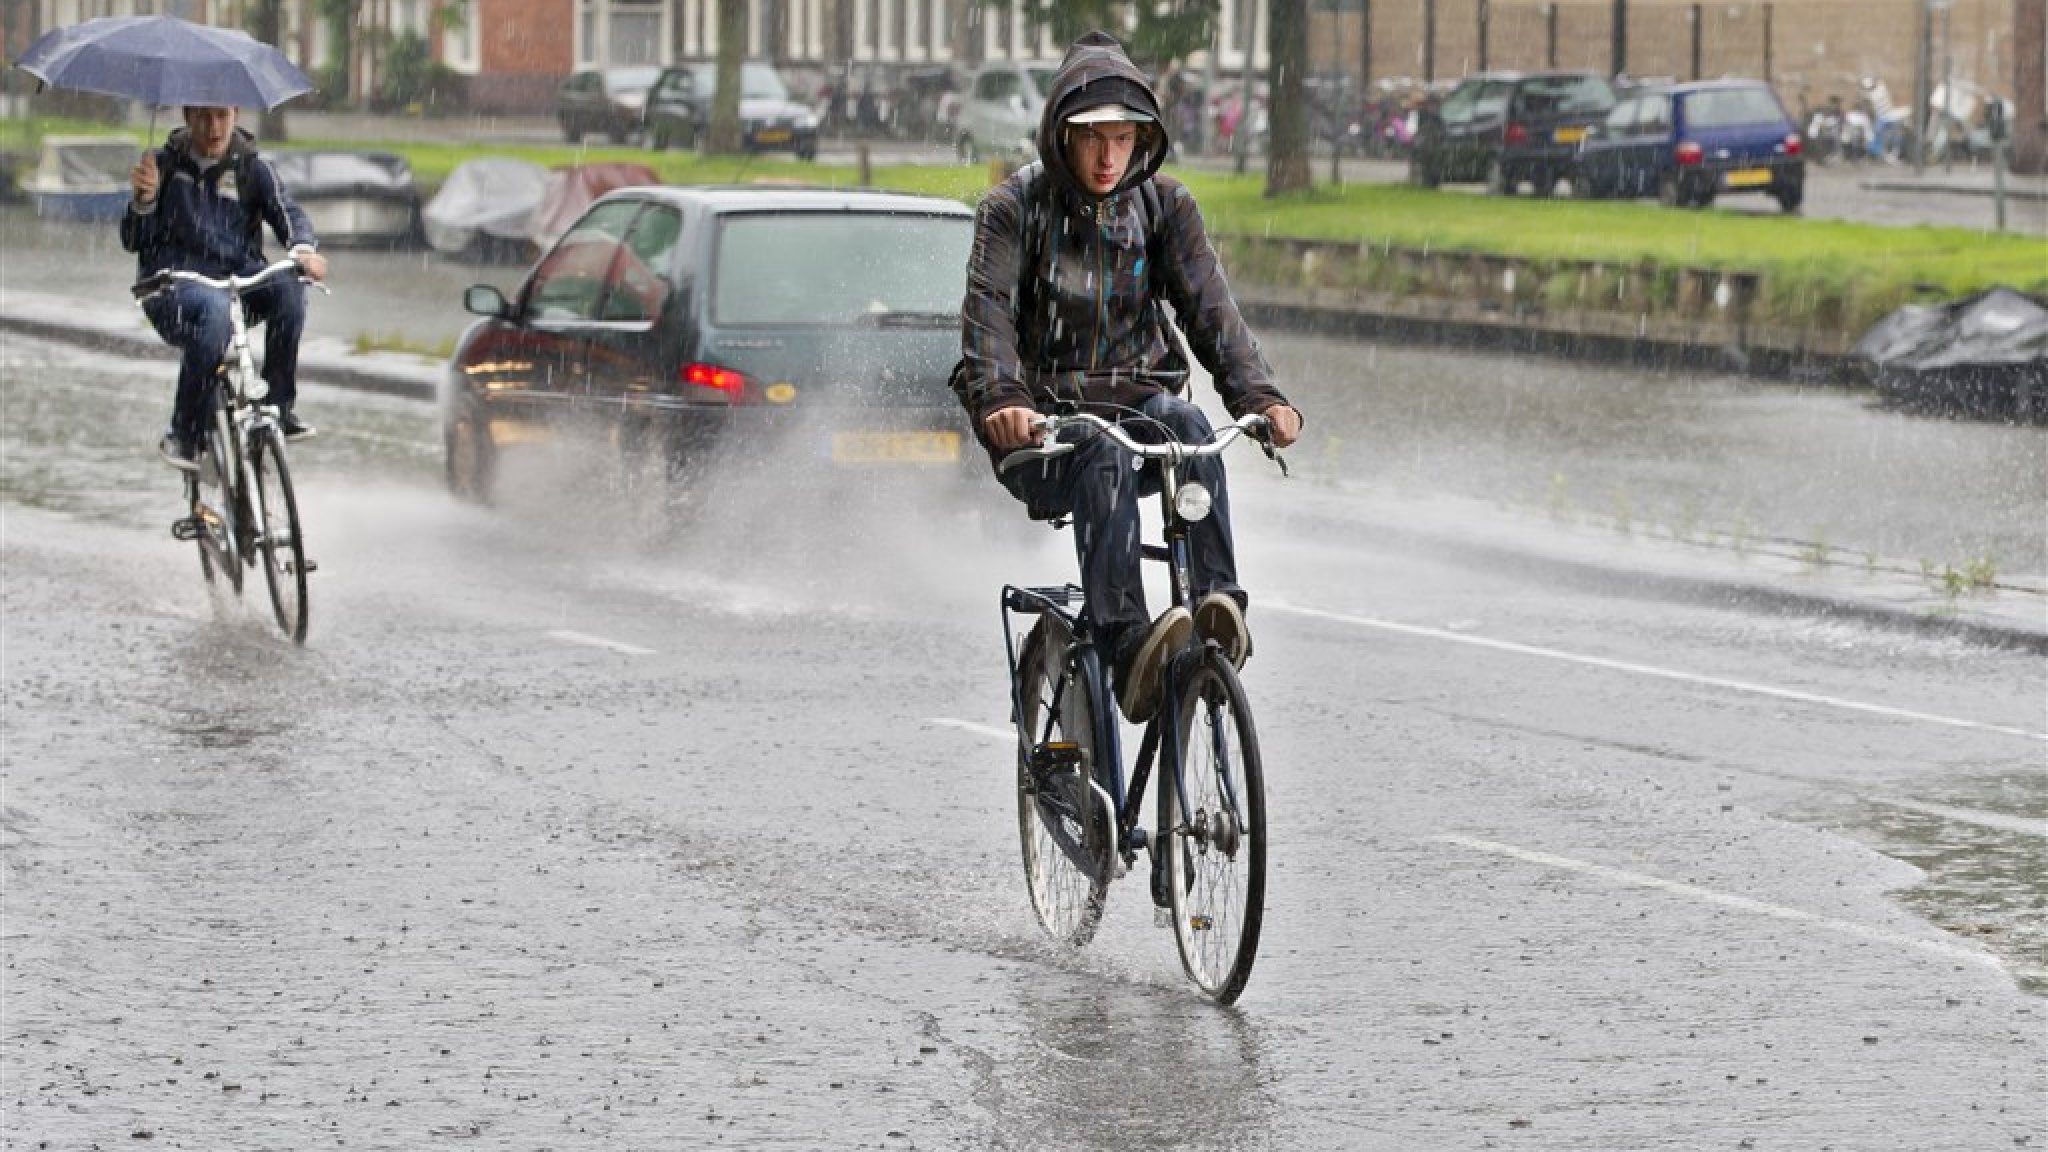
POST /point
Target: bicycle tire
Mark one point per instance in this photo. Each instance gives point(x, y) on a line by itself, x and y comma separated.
point(1064, 824)
point(1215, 854)
point(283, 546)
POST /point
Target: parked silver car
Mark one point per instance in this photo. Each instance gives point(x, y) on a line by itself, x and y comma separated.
point(1000, 114)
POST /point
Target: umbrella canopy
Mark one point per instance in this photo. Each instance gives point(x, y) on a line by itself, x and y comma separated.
point(164, 61)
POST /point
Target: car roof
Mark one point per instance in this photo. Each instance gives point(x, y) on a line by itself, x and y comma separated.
point(722, 198)
point(1724, 82)
point(1540, 74)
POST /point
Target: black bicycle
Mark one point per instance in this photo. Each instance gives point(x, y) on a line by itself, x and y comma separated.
point(243, 509)
point(1080, 825)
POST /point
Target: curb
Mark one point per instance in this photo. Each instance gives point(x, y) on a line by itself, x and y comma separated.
point(2016, 188)
point(1892, 603)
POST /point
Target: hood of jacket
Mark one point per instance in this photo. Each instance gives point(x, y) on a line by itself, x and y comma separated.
point(1096, 66)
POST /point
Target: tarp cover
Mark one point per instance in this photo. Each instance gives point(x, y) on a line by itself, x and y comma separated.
point(570, 191)
point(86, 163)
point(1997, 328)
point(492, 197)
point(333, 175)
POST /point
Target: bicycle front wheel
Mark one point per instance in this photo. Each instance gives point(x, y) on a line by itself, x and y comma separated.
point(1215, 842)
point(1063, 819)
point(219, 512)
point(282, 546)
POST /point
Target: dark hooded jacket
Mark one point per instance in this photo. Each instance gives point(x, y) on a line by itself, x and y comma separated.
point(1081, 324)
point(210, 221)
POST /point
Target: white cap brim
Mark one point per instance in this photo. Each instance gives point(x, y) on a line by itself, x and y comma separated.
point(1110, 114)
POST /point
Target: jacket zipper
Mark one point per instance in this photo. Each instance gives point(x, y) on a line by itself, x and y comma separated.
point(1101, 284)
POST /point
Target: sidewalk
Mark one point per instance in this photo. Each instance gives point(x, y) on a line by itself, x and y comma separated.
point(1961, 180)
point(1763, 575)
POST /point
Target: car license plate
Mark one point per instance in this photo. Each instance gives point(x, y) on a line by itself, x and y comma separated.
point(1569, 135)
point(773, 136)
point(1749, 177)
point(505, 432)
point(895, 447)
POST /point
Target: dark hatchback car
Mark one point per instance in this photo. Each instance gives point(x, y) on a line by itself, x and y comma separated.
point(1507, 129)
point(679, 107)
point(609, 102)
point(809, 326)
point(1689, 143)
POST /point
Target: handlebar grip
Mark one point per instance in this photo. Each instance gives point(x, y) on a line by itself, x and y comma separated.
point(150, 285)
point(1041, 452)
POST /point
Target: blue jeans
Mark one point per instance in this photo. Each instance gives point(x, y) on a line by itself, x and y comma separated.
point(195, 319)
point(1096, 486)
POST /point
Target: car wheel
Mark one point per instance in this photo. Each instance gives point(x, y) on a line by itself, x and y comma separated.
point(1582, 187)
point(619, 136)
point(969, 154)
point(469, 457)
point(1497, 182)
point(1422, 173)
point(1670, 194)
point(1544, 185)
point(572, 132)
point(1789, 199)
point(807, 153)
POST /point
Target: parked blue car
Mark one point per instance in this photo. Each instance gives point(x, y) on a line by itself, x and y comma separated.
point(1688, 143)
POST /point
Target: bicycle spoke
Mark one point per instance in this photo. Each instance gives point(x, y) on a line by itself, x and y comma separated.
point(1066, 834)
point(1216, 861)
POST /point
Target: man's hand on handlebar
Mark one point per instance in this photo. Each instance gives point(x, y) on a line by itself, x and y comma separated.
point(312, 265)
point(1012, 428)
point(1283, 425)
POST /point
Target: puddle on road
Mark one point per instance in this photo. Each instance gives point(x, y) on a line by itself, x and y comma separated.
point(1984, 876)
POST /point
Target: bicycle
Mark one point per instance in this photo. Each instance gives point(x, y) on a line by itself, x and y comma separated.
point(1079, 825)
point(243, 506)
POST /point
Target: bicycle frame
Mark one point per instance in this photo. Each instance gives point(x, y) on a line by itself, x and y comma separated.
point(1162, 731)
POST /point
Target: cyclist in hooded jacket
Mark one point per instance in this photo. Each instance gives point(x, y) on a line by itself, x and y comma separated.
point(1071, 258)
point(200, 204)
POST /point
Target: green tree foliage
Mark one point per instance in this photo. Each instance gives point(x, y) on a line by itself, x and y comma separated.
point(1165, 32)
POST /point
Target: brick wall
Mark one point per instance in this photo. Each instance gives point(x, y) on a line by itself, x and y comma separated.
point(525, 49)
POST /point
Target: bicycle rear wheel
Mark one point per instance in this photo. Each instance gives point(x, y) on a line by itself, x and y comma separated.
point(1063, 820)
point(1216, 846)
point(282, 546)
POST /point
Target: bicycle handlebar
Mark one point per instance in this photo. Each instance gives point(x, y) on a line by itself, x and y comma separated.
point(160, 282)
point(1249, 425)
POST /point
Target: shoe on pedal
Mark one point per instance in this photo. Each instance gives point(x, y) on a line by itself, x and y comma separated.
point(1137, 693)
point(1218, 617)
point(294, 428)
point(178, 452)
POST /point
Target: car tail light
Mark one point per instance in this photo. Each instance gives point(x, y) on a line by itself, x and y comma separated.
point(711, 376)
point(1794, 145)
point(1518, 134)
point(1689, 153)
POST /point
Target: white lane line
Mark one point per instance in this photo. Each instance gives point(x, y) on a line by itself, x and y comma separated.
point(1726, 899)
point(590, 641)
point(1999, 820)
point(1653, 670)
point(1003, 734)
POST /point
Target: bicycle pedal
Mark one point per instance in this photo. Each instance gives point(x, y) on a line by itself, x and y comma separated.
point(312, 566)
point(190, 528)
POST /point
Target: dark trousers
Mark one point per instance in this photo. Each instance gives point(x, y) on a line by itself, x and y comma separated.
point(195, 318)
point(1096, 486)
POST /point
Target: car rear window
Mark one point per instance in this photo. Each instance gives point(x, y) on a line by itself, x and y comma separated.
point(837, 268)
point(1723, 107)
point(1563, 96)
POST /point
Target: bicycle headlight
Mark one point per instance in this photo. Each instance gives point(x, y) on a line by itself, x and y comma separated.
point(1193, 502)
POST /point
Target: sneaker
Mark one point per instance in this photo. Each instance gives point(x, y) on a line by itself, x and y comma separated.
point(1137, 693)
point(1219, 618)
point(293, 427)
point(178, 453)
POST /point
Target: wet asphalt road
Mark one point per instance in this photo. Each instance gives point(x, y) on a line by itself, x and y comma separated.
point(559, 836)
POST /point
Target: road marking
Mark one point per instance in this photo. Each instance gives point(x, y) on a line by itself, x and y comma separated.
point(1726, 899)
point(588, 640)
point(1003, 734)
point(1653, 670)
point(1999, 820)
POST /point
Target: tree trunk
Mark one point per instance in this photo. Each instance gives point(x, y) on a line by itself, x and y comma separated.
point(2030, 86)
point(1287, 161)
point(722, 136)
point(266, 19)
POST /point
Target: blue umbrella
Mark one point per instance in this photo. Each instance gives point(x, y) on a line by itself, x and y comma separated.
point(164, 61)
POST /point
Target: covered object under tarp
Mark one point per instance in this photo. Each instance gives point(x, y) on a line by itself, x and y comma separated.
point(485, 209)
point(570, 191)
point(1984, 355)
point(352, 198)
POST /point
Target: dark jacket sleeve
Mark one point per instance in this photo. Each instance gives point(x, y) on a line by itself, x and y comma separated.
point(140, 230)
point(1201, 299)
point(990, 375)
point(287, 220)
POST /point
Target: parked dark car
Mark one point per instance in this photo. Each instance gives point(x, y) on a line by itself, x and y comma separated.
point(1688, 143)
point(679, 108)
point(1508, 129)
point(813, 325)
point(609, 102)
